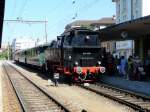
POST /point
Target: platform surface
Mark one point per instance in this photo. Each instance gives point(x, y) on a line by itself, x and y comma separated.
point(142, 87)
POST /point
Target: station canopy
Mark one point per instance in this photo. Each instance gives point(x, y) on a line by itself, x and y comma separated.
point(133, 29)
point(2, 5)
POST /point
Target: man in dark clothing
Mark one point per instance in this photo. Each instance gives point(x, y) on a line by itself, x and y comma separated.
point(130, 68)
point(110, 64)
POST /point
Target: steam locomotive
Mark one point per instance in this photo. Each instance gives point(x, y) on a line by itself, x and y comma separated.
point(75, 55)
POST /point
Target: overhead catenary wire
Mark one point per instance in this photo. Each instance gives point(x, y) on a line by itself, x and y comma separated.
point(70, 18)
point(86, 7)
point(65, 19)
point(23, 8)
point(20, 19)
point(19, 16)
point(31, 22)
point(54, 9)
point(13, 8)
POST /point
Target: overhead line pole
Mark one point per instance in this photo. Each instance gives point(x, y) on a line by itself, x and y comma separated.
point(30, 21)
point(46, 30)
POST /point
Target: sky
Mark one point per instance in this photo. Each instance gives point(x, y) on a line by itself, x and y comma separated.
point(57, 13)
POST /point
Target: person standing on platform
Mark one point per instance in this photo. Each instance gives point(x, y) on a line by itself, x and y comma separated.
point(136, 64)
point(117, 63)
point(110, 64)
point(123, 64)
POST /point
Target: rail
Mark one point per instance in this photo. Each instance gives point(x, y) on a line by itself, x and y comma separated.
point(141, 104)
point(23, 105)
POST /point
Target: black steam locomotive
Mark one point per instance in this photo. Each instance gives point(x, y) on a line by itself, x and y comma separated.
point(75, 55)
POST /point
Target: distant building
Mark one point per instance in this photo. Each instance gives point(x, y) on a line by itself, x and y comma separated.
point(22, 43)
point(128, 10)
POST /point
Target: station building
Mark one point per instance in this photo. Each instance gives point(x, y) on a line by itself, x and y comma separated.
point(126, 11)
point(137, 30)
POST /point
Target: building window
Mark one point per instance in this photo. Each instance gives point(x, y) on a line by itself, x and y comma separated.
point(124, 18)
point(108, 47)
point(119, 8)
point(136, 2)
point(132, 16)
point(124, 5)
point(136, 14)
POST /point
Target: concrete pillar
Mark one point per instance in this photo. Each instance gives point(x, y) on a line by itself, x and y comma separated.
point(141, 53)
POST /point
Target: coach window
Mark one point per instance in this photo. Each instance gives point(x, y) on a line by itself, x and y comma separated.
point(28, 53)
point(25, 53)
point(36, 52)
point(31, 52)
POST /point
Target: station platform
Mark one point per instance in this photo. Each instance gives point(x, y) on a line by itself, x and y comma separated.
point(135, 86)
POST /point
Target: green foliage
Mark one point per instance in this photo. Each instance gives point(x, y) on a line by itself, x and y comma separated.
point(3, 55)
point(7, 52)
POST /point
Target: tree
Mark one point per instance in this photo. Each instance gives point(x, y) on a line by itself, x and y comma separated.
point(6, 54)
point(3, 55)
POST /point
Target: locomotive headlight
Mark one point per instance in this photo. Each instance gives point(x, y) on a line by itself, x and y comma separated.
point(69, 57)
point(76, 63)
point(99, 62)
point(87, 37)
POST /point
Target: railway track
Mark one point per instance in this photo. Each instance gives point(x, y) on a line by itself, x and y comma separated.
point(31, 97)
point(72, 110)
point(10, 100)
point(138, 102)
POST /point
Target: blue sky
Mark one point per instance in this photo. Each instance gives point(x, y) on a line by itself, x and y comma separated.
point(58, 13)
